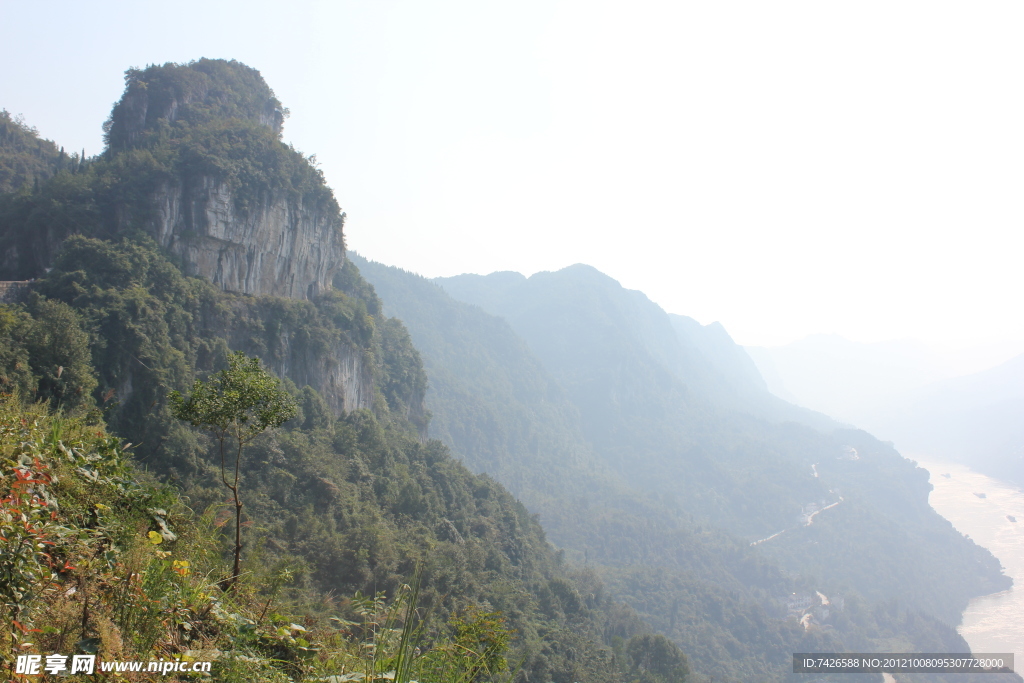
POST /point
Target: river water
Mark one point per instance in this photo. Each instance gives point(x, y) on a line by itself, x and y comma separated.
point(992, 623)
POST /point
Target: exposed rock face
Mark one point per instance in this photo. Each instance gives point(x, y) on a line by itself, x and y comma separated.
point(284, 247)
point(343, 376)
point(194, 157)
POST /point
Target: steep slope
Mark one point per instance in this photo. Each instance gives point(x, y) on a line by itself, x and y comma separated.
point(502, 413)
point(346, 497)
point(195, 161)
point(349, 503)
point(734, 379)
point(728, 359)
point(494, 404)
point(653, 425)
point(25, 158)
point(586, 402)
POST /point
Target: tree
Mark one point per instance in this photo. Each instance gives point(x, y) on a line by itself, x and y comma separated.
point(240, 402)
point(656, 659)
point(59, 354)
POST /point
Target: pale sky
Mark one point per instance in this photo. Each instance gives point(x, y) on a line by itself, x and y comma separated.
point(783, 167)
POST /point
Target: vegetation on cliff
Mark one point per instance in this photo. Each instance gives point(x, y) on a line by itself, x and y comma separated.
point(341, 504)
point(344, 500)
point(175, 126)
point(364, 538)
point(26, 160)
point(99, 558)
point(663, 501)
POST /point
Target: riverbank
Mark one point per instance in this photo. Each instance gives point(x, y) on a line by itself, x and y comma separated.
point(991, 512)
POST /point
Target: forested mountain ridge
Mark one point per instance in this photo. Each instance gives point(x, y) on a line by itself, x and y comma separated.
point(659, 429)
point(194, 161)
point(714, 596)
point(638, 456)
point(345, 497)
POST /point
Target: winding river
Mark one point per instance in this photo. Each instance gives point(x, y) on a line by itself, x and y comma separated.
point(985, 509)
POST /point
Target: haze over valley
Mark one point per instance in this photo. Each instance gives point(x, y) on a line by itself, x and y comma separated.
point(542, 343)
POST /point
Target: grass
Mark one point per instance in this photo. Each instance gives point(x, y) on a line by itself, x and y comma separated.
point(96, 559)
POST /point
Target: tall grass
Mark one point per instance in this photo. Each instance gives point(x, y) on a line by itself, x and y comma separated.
point(92, 560)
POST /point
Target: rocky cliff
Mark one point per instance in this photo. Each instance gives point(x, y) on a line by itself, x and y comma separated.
point(282, 247)
point(195, 159)
point(238, 206)
point(342, 375)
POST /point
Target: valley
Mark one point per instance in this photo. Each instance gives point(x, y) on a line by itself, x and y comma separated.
point(553, 473)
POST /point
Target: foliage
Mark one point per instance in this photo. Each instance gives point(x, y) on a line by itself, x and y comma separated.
point(579, 401)
point(240, 402)
point(73, 518)
point(662, 495)
point(201, 92)
point(45, 353)
point(344, 503)
point(112, 578)
point(656, 659)
point(476, 651)
point(15, 372)
point(25, 158)
point(346, 497)
point(176, 126)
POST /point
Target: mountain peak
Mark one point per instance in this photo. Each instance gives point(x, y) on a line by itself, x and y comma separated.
point(194, 93)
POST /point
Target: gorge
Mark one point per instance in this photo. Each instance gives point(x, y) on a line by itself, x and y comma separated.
point(557, 449)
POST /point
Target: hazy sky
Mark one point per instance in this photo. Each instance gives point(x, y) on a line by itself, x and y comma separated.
point(783, 167)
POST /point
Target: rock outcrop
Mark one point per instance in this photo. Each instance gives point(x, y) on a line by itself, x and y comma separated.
point(342, 376)
point(285, 247)
point(195, 159)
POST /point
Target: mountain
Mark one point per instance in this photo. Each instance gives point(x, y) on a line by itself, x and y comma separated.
point(197, 233)
point(648, 413)
point(572, 377)
point(714, 345)
point(494, 404)
point(684, 498)
point(195, 161)
point(25, 158)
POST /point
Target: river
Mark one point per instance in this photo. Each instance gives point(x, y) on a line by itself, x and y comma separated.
point(991, 623)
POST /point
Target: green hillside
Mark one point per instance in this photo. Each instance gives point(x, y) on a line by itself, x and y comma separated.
point(397, 526)
point(692, 573)
point(612, 350)
point(25, 158)
point(345, 499)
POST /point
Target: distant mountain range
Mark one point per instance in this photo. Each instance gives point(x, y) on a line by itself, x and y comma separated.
point(654, 453)
point(682, 497)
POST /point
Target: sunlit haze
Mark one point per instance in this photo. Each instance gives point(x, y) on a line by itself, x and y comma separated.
point(786, 168)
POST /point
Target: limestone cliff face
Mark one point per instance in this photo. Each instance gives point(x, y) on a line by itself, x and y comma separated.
point(343, 376)
point(342, 373)
point(195, 158)
point(283, 247)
